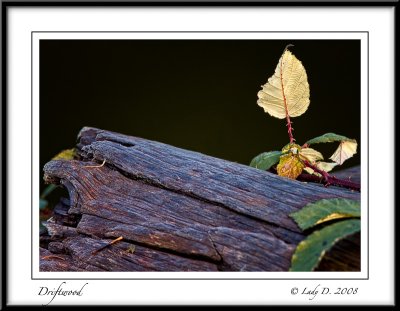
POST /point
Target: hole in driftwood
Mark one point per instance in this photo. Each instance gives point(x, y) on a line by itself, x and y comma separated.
point(122, 142)
point(125, 144)
point(55, 205)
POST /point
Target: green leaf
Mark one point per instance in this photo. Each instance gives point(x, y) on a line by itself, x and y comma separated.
point(310, 251)
point(324, 210)
point(43, 203)
point(265, 160)
point(327, 138)
point(49, 189)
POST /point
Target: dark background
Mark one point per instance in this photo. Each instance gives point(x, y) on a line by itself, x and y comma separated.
point(195, 94)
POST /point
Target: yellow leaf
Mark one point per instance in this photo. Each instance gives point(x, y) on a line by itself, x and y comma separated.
point(332, 217)
point(290, 166)
point(311, 155)
point(309, 170)
point(287, 90)
point(324, 166)
point(67, 154)
point(346, 149)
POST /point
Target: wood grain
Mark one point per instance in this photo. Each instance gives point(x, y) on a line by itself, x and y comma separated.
point(181, 210)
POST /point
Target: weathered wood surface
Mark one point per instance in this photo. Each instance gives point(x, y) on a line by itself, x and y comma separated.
point(181, 210)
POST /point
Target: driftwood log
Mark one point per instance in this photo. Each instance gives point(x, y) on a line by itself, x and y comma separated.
point(176, 210)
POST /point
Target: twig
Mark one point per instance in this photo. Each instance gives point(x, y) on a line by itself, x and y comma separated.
point(289, 123)
point(52, 256)
point(332, 180)
point(107, 245)
point(324, 174)
point(95, 166)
